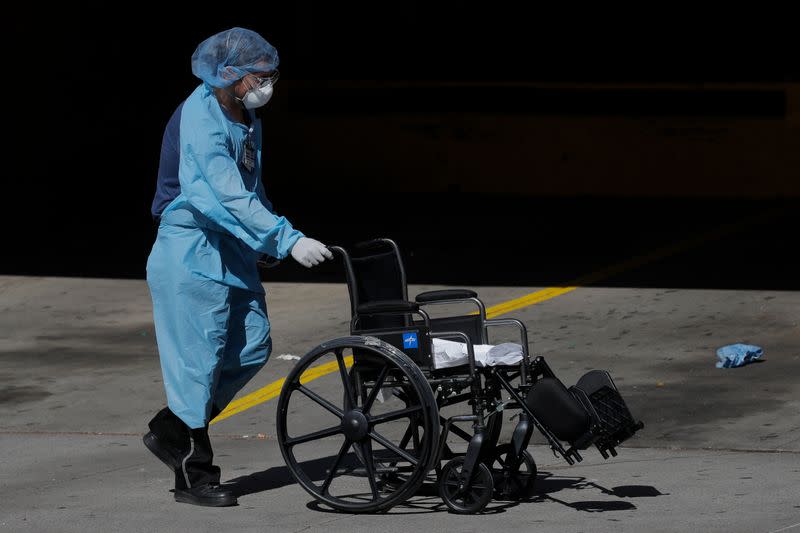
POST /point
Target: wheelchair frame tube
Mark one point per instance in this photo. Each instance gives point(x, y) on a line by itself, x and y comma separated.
point(467, 341)
point(481, 312)
point(475, 388)
point(523, 334)
point(523, 331)
point(425, 317)
point(447, 425)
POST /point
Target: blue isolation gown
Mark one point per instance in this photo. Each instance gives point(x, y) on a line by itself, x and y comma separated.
point(209, 308)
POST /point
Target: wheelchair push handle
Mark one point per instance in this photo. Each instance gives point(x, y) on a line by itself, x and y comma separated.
point(267, 261)
point(337, 250)
point(365, 246)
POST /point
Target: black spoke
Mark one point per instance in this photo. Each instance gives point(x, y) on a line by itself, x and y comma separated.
point(383, 441)
point(322, 433)
point(327, 483)
point(394, 415)
point(366, 451)
point(407, 435)
point(376, 389)
point(500, 460)
point(404, 441)
point(350, 402)
point(320, 400)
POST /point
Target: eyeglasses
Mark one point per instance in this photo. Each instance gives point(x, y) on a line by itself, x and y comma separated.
point(272, 79)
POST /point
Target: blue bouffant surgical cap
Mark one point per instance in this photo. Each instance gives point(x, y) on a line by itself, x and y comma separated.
point(229, 55)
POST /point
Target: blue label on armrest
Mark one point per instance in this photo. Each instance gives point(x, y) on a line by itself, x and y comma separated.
point(410, 340)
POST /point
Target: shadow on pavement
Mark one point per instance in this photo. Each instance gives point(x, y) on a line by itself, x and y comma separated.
point(548, 484)
point(427, 499)
point(279, 476)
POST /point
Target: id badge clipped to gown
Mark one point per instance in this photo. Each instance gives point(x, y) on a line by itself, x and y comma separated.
point(249, 154)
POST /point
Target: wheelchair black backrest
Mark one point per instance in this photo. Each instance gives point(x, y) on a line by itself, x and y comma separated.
point(375, 273)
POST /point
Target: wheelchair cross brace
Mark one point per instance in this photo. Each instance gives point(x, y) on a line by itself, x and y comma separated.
point(555, 445)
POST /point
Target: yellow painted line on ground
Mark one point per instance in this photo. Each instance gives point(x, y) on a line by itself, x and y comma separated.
point(529, 299)
point(274, 389)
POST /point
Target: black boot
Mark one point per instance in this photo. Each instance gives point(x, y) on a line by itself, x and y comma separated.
point(197, 479)
point(208, 495)
point(168, 438)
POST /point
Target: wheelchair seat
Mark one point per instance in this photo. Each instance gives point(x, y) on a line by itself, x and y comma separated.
point(449, 354)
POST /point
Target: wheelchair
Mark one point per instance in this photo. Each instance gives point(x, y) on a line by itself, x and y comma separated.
point(388, 423)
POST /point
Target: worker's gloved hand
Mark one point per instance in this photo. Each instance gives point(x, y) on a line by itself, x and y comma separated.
point(309, 252)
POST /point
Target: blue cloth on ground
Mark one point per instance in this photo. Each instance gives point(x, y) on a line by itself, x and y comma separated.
point(738, 355)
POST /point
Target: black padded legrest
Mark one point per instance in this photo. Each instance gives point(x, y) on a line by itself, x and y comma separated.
point(556, 408)
point(448, 294)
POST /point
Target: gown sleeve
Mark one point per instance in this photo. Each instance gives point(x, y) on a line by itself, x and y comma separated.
point(212, 183)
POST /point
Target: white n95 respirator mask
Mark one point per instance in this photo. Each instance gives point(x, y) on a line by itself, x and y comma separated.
point(257, 97)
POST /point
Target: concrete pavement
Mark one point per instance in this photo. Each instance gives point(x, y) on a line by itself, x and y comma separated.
point(79, 378)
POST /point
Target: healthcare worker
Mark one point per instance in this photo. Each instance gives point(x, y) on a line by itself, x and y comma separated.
point(209, 310)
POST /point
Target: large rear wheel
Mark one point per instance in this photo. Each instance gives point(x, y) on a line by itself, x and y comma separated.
point(345, 437)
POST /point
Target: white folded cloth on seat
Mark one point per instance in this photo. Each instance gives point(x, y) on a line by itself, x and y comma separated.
point(447, 354)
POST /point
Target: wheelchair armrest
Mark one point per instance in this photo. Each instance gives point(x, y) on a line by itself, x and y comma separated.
point(449, 294)
point(523, 331)
point(463, 337)
point(387, 307)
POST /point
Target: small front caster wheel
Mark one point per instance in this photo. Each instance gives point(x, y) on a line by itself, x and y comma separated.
point(513, 479)
point(465, 496)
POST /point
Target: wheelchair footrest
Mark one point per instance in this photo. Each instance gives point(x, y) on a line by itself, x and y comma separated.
point(615, 424)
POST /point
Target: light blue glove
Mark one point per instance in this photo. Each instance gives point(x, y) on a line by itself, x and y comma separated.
point(738, 355)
